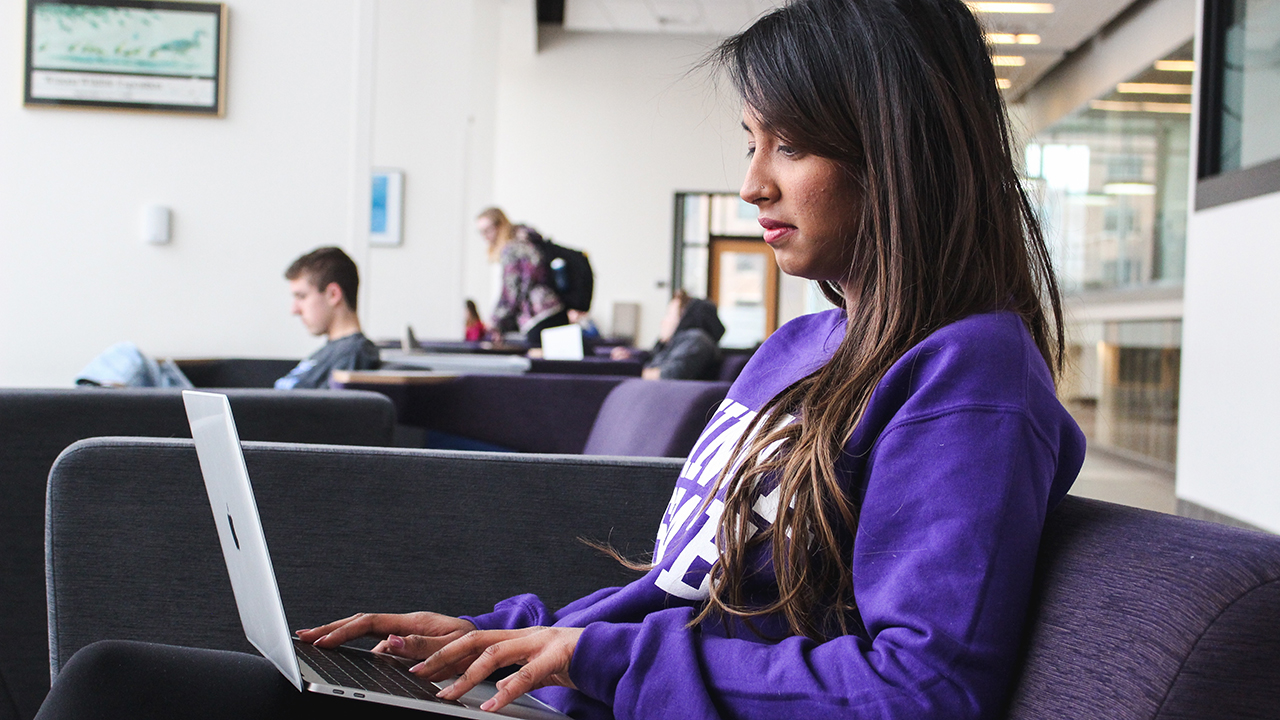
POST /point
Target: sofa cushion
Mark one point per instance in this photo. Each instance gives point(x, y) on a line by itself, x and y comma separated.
point(659, 418)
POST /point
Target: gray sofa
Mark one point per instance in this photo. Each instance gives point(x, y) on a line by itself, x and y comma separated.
point(1136, 615)
point(36, 425)
point(402, 530)
point(535, 413)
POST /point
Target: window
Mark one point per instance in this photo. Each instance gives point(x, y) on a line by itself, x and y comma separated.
point(1111, 182)
point(1239, 153)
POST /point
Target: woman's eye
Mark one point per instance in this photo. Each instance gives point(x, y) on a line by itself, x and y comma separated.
point(751, 150)
point(788, 151)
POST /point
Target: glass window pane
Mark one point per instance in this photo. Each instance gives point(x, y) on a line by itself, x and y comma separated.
point(741, 300)
point(1111, 183)
point(1250, 85)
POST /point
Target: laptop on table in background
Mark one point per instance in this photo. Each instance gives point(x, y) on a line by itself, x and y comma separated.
point(344, 672)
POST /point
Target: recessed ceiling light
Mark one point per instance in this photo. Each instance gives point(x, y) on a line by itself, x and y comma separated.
point(1129, 188)
point(1011, 39)
point(1004, 83)
point(1151, 107)
point(1008, 60)
point(1154, 88)
point(1011, 7)
point(1176, 65)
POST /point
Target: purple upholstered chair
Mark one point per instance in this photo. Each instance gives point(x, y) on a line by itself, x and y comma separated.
point(655, 418)
point(1139, 615)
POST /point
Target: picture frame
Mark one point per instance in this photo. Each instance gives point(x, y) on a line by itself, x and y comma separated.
point(139, 55)
point(386, 207)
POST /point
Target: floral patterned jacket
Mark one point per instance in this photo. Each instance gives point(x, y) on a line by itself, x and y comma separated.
point(527, 297)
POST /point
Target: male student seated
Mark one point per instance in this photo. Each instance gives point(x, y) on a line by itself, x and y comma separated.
point(324, 284)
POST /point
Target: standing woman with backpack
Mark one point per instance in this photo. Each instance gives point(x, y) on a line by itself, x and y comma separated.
point(527, 303)
point(856, 532)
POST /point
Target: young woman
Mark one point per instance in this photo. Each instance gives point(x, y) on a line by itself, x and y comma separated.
point(855, 533)
point(475, 329)
point(526, 301)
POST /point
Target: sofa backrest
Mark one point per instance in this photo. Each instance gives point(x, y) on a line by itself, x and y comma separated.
point(659, 418)
point(1140, 615)
point(235, 372)
point(525, 413)
point(349, 529)
point(1135, 615)
point(36, 425)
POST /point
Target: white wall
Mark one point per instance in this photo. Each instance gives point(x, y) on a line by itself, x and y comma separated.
point(1229, 416)
point(249, 192)
point(595, 134)
point(1229, 393)
point(433, 99)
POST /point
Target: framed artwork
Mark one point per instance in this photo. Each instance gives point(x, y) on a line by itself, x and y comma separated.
point(127, 55)
point(385, 207)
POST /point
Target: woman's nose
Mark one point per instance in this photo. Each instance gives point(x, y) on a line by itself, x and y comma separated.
point(755, 187)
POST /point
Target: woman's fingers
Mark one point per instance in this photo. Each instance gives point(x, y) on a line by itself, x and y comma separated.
point(415, 647)
point(313, 634)
point(356, 626)
point(549, 667)
point(544, 653)
point(425, 624)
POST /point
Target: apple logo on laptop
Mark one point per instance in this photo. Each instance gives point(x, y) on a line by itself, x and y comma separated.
point(232, 524)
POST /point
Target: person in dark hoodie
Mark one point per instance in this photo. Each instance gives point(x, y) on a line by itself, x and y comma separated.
point(688, 342)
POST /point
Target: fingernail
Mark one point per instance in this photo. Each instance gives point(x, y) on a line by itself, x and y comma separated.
point(488, 704)
point(304, 630)
point(446, 693)
point(417, 667)
point(395, 641)
point(317, 641)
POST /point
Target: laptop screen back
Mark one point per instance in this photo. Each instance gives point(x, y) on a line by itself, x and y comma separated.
point(240, 530)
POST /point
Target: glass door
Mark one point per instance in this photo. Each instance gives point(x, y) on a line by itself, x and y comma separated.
point(744, 287)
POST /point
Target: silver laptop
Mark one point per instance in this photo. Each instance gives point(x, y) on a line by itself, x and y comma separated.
point(345, 672)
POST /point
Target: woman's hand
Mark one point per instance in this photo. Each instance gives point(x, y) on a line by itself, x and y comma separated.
point(544, 653)
point(412, 635)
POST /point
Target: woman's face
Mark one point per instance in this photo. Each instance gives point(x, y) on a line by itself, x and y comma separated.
point(807, 205)
point(487, 230)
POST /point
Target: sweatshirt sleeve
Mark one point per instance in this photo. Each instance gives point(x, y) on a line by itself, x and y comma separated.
point(528, 610)
point(942, 562)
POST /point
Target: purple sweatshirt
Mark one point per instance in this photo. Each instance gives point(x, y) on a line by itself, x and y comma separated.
point(962, 451)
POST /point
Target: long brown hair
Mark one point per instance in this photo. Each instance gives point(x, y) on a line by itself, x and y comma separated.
point(901, 94)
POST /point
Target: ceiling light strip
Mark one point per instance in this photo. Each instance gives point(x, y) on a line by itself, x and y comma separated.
point(1153, 89)
point(1024, 8)
point(1011, 39)
point(1151, 107)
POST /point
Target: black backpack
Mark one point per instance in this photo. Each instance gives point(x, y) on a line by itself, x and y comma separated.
point(568, 272)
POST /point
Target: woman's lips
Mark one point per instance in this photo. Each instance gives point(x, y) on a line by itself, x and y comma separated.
point(774, 230)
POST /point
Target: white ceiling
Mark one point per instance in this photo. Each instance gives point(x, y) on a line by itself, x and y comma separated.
point(1070, 25)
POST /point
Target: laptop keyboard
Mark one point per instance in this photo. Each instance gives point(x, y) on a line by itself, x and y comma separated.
point(359, 670)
